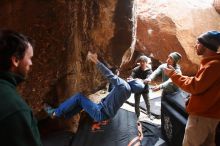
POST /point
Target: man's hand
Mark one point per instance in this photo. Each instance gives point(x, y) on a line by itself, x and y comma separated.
point(92, 57)
point(146, 81)
point(169, 70)
point(155, 88)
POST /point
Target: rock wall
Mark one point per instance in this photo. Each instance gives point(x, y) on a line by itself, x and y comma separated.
point(164, 26)
point(64, 31)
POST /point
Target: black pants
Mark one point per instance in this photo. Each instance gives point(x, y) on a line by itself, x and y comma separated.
point(137, 103)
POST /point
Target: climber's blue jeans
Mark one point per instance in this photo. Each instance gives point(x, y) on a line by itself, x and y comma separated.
point(107, 108)
point(76, 103)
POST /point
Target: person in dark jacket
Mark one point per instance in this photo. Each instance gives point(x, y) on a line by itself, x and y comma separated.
point(18, 127)
point(142, 71)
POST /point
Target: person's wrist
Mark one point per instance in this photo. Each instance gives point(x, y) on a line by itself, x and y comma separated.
point(97, 61)
point(171, 73)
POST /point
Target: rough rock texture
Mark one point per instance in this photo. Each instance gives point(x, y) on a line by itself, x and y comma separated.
point(64, 31)
point(173, 25)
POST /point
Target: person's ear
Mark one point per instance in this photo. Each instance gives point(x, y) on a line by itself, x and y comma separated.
point(15, 61)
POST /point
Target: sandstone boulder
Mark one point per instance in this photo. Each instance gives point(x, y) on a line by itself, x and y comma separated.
point(173, 25)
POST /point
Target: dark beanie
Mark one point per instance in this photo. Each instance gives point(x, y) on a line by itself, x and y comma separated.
point(176, 56)
point(210, 40)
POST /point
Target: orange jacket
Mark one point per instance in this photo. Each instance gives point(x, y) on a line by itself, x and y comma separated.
point(204, 88)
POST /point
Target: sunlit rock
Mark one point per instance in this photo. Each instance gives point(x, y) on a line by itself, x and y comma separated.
point(173, 25)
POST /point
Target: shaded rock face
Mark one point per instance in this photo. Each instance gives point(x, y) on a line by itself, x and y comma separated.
point(64, 31)
point(164, 26)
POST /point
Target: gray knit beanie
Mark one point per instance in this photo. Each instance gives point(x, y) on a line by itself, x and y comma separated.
point(210, 40)
point(144, 58)
point(175, 56)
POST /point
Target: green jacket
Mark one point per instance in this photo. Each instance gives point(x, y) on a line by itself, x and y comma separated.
point(167, 85)
point(18, 126)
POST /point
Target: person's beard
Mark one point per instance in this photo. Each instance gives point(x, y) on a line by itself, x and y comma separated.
point(23, 72)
